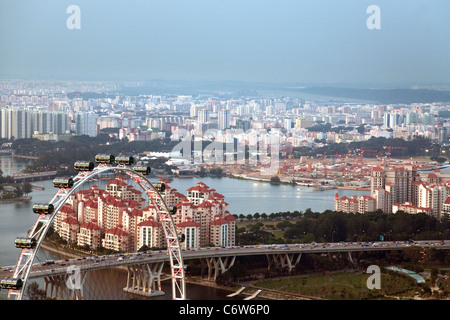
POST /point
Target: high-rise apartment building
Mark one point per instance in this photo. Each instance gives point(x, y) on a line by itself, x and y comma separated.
point(15, 123)
point(224, 119)
point(203, 116)
point(404, 188)
point(22, 123)
point(86, 123)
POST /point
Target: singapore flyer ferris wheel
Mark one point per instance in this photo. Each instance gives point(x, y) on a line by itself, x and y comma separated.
point(87, 242)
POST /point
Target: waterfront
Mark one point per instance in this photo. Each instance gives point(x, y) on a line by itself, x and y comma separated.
point(248, 197)
point(10, 165)
point(244, 197)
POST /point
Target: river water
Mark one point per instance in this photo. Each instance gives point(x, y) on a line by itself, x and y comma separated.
point(243, 196)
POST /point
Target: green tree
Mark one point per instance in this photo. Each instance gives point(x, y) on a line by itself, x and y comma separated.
point(34, 292)
point(27, 187)
point(433, 275)
point(275, 180)
point(18, 191)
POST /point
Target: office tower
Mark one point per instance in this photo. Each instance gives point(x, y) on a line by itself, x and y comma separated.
point(224, 119)
point(203, 116)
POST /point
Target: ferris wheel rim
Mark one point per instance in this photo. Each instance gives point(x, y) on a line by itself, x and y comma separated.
point(84, 177)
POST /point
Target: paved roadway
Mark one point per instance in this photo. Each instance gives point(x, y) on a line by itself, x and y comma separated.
point(33, 176)
point(91, 263)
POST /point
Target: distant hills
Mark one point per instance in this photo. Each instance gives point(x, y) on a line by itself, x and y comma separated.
point(242, 88)
point(382, 96)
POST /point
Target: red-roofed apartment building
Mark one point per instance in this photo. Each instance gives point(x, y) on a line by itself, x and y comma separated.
point(116, 239)
point(446, 207)
point(208, 210)
point(354, 204)
point(150, 233)
point(69, 229)
point(90, 235)
point(408, 189)
point(191, 230)
point(408, 207)
point(119, 188)
point(119, 220)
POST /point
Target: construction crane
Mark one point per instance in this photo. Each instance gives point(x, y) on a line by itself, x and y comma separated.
point(324, 165)
point(391, 147)
point(286, 149)
point(334, 164)
point(362, 154)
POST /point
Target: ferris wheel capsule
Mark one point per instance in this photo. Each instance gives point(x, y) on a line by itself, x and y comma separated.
point(172, 209)
point(84, 166)
point(160, 187)
point(181, 237)
point(126, 160)
point(11, 283)
point(104, 158)
point(43, 208)
point(25, 243)
point(63, 183)
point(142, 169)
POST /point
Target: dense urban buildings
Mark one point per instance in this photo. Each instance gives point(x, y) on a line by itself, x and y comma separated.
point(402, 188)
point(38, 110)
point(120, 218)
point(405, 188)
point(56, 112)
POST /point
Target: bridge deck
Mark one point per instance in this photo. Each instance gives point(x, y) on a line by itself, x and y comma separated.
point(110, 261)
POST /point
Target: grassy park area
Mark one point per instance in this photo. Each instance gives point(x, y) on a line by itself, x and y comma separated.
point(344, 285)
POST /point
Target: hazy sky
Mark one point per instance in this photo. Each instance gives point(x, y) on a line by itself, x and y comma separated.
point(304, 41)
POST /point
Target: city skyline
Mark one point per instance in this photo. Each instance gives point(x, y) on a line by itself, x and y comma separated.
point(269, 108)
point(295, 41)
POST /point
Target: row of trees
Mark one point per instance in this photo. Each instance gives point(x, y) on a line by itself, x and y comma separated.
point(418, 146)
point(272, 216)
point(332, 226)
point(61, 155)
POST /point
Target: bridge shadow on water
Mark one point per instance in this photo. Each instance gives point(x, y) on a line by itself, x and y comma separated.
point(108, 284)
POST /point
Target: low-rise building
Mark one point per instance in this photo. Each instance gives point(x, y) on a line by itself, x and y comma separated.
point(354, 204)
point(408, 207)
point(116, 239)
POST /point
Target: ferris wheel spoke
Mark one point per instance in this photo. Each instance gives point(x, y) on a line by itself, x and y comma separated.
point(87, 172)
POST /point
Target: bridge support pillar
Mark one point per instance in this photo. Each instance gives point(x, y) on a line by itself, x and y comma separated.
point(145, 279)
point(350, 258)
point(283, 260)
point(216, 266)
point(63, 287)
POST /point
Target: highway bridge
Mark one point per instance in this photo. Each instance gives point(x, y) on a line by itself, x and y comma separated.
point(145, 268)
point(23, 177)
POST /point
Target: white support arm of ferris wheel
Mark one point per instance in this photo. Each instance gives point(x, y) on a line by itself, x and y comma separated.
point(60, 198)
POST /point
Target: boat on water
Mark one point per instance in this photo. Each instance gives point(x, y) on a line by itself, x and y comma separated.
point(325, 187)
point(12, 200)
point(26, 198)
